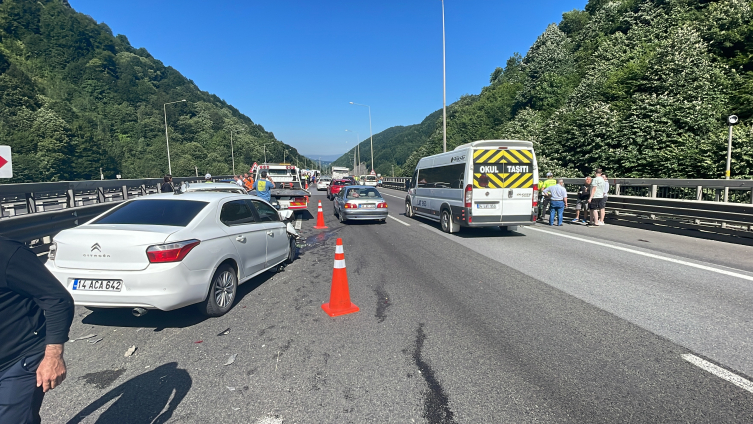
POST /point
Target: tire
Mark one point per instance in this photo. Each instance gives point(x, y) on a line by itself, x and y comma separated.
point(446, 221)
point(408, 209)
point(223, 290)
point(292, 253)
point(342, 218)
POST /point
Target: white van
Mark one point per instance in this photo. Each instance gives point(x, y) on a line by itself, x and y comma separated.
point(481, 184)
point(368, 180)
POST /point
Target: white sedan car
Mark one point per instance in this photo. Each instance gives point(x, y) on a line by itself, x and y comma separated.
point(167, 251)
point(322, 183)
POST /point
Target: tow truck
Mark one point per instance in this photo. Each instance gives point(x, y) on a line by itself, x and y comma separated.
point(288, 193)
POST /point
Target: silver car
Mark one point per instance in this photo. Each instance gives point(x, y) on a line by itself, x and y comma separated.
point(360, 203)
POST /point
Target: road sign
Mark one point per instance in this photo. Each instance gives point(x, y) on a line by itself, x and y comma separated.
point(6, 164)
point(372, 172)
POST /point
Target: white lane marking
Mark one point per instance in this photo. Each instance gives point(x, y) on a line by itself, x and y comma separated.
point(404, 223)
point(719, 372)
point(651, 255)
point(392, 195)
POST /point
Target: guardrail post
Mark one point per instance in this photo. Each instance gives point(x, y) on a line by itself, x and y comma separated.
point(653, 190)
point(31, 203)
point(699, 193)
point(125, 193)
point(70, 199)
point(617, 189)
point(716, 195)
point(100, 195)
point(726, 195)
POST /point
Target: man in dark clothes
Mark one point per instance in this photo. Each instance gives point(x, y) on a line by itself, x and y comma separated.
point(36, 312)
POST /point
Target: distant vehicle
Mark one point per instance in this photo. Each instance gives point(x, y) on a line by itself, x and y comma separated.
point(220, 187)
point(480, 184)
point(369, 180)
point(335, 186)
point(322, 183)
point(339, 172)
point(167, 251)
point(288, 192)
point(360, 203)
point(351, 179)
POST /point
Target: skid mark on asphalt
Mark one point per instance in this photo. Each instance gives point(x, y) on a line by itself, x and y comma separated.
point(436, 404)
point(382, 304)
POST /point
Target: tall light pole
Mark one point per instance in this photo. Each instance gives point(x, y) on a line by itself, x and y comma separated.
point(732, 120)
point(444, 87)
point(232, 150)
point(370, 132)
point(167, 139)
point(357, 149)
point(265, 152)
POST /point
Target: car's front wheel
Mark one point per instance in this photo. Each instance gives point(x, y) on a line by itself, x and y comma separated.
point(292, 252)
point(222, 291)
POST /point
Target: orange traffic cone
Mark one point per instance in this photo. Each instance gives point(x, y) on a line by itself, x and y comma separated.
point(307, 185)
point(320, 219)
point(339, 296)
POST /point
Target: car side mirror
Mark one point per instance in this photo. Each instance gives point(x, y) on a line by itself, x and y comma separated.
point(285, 214)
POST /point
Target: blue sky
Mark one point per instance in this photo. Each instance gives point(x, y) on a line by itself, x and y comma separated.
point(293, 66)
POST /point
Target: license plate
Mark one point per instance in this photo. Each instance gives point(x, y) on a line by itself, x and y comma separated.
point(486, 205)
point(367, 206)
point(97, 285)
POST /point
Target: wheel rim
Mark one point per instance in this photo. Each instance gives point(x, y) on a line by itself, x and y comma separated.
point(223, 289)
point(445, 221)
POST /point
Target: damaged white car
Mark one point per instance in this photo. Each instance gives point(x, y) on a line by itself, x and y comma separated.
point(167, 251)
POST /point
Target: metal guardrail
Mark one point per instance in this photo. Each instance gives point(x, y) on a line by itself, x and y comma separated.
point(695, 208)
point(35, 212)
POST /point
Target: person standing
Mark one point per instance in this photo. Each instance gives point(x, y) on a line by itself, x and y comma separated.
point(582, 202)
point(167, 184)
point(263, 186)
point(596, 198)
point(557, 195)
point(606, 195)
point(544, 202)
point(37, 312)
point(248, 181)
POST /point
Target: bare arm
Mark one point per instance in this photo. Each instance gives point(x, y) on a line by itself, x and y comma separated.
point(51, 371)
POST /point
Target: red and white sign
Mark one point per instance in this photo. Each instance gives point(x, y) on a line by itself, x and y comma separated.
point(6, 164)
point(372, 172)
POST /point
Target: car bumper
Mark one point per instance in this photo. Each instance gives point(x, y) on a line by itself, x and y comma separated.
point(160, 286)
point(358, 214)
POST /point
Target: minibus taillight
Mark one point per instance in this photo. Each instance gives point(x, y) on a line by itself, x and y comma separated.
point(535, 195)
point(468, 195)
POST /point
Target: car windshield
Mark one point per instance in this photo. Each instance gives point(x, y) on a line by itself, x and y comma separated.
point(370, 178)
point(363, 193)
point(154, 212)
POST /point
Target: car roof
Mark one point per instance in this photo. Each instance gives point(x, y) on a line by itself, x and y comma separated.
point(204, 196)
point(360, 186)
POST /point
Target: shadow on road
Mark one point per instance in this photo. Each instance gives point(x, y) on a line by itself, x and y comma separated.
point(151, 397)
point(304, 215)
point(159, 320)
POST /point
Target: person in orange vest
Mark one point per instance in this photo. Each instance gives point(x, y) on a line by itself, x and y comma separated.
point(248, 181)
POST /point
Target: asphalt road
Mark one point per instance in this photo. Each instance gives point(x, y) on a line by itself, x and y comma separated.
point(565, 324)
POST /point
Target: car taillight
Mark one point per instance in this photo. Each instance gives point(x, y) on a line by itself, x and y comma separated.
point(351, 206)
point(468, 195)
point(53, 251)
point(382, 205)
point(170, 252)
point(535, 195)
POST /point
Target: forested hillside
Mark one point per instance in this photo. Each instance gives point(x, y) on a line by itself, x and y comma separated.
point(74, 99)
point(638, 87)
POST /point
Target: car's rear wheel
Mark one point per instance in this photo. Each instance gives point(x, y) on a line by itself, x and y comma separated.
point(447, 225)
point(222, 291)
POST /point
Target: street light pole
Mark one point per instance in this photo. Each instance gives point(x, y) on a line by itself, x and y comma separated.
point(732, 120)
point(232, 150)
point(444, 87)
point(167, 139)
point(371, 134)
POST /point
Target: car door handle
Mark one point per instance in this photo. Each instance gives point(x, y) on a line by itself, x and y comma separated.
point(240, 239)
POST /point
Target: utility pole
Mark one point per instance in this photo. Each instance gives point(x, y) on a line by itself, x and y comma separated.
point(444, 87)
point(232, 151)
point(732, 120)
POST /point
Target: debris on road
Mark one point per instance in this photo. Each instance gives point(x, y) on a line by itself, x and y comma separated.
point(199, 341)
point(224, 333)
point(230, 388)
point(231, 359)
point(95, 341)
point(88, 336)
point(130, 351)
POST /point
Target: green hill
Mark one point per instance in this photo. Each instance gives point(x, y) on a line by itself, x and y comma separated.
point(640, 88)
point(74, 99)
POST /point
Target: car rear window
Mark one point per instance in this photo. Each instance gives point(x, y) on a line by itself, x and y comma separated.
point(154, 212)
point(340, 182)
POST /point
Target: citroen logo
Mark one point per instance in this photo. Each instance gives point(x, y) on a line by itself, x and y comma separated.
point(96, 247)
